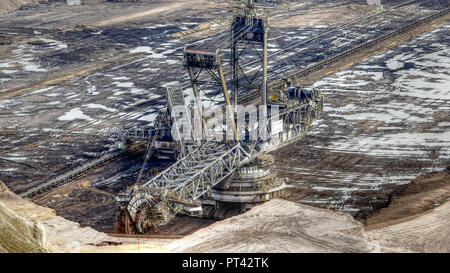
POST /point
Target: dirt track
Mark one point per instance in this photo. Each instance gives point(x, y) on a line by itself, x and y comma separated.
point(137, 15)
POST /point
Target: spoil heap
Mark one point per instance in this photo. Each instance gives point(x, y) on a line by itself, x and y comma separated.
point(27, 227)
point(279, 226)
point(18, 234)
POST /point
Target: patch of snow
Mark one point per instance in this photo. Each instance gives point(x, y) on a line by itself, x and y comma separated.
point(149, 118)
point(148, 50)
point(74, 114)
point(100, 106)
point(124, 84)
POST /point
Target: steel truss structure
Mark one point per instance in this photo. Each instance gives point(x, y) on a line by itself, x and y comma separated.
point(178, 188)
point(248, 32)
point(181, 185)
point(199, 62)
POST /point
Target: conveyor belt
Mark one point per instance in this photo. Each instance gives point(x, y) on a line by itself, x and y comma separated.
point(73, 174)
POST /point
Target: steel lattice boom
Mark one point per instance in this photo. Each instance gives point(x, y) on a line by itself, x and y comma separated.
point(204, 163)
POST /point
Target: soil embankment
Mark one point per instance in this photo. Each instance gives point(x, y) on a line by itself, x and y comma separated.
point(19, 234)
point(27, 227)
point(410, 201)
point(276, 226)
point(417, 218)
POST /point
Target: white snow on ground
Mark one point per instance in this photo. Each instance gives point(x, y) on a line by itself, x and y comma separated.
point(42, 90)
point(390, 107)
point(91, 90)
point(56, 45)
point(124, 84)
point(149, 118)
point(150, 69)
point(51, 130)
point(7, 103)
point(33, 67)
point(100, 106)
point(23, 59)
point(137, 91)
point(9, 71)
point(120, 78)
point(74, 114)
point(397, 61)
point(16, 158)
point(118, 93)
point(444, 124)
point(71, 97)
point(429, 86)
point(148, 50)
point(22, 56)
point(8, 170)
point(53, 94)
point(421, 84)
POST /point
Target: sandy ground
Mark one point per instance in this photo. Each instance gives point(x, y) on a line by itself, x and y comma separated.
point(283, 226)
point(417, 218)
point(429, 232)
point(278, 226)
point(301, 228)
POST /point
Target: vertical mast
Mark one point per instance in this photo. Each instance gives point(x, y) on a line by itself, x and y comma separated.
point(234, 66)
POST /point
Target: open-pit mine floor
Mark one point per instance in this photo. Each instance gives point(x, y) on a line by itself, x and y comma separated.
point(70, 73)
